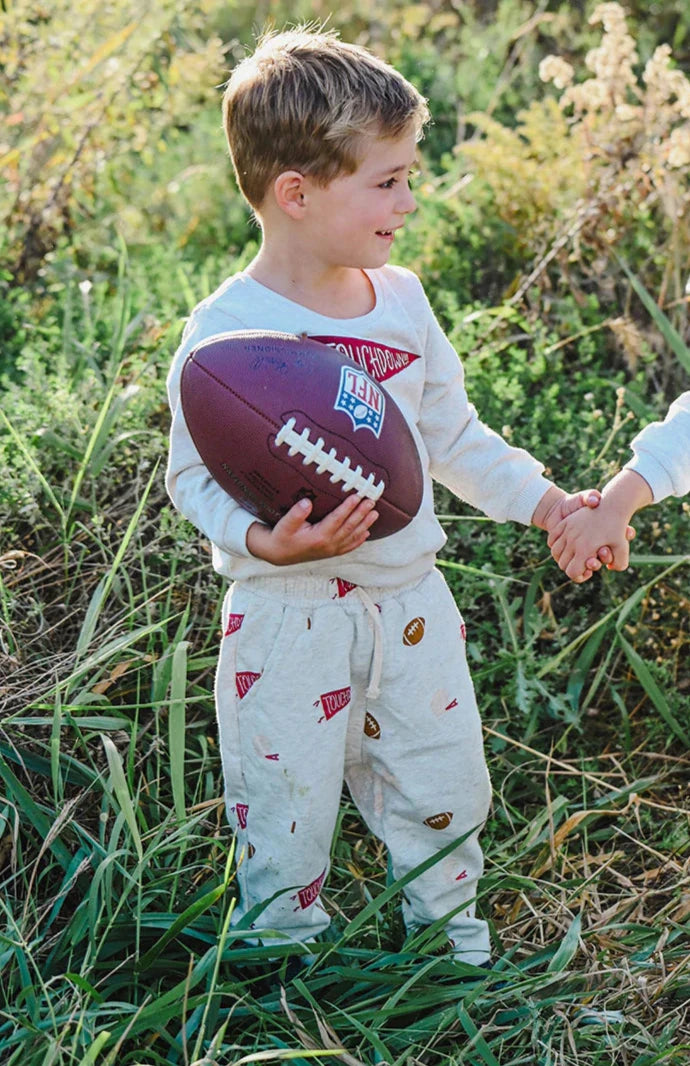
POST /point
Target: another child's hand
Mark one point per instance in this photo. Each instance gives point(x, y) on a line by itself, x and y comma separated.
point(555, 507)
point(577, 540)
point(294, 540)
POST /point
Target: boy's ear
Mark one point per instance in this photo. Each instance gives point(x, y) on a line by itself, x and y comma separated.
point(288, 189)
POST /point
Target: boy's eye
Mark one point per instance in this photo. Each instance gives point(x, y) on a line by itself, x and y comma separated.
point(394, 181)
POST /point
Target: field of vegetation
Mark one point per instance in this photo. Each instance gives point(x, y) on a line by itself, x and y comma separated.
point(552, 235)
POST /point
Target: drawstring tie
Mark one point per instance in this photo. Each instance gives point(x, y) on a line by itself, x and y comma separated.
point(377, 659)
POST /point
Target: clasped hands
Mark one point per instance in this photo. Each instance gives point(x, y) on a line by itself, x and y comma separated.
point(585, 531)
point(586, 535)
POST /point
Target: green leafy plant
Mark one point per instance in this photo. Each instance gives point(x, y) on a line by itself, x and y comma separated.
point(116, 863)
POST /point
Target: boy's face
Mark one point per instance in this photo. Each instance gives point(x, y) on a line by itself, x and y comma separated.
point(353, 220)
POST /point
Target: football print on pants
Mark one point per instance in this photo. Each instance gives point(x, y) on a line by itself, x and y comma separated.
point(414, 631)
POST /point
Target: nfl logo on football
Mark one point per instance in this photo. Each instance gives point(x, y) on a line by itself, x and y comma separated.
point(359, 397)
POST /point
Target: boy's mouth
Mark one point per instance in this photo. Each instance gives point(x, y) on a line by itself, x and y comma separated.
point(385, 233)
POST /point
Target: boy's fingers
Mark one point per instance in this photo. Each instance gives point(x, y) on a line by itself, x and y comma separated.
point(575, 572)
point(349, 515)
point(622, 558)
point(576, 500)
point(568, 504)
point(556, 542)
point(295, 517)
point(630, 533)
point(368, 519)
point(351, 536)
point(345, 510)
point(605, 555)
point(565, 562)
point(347, 526)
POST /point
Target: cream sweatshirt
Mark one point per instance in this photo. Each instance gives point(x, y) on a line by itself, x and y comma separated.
point(402, 345)
point(662, 452)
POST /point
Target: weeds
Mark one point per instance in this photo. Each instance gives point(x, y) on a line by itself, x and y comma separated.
point(116, 864)
point(118, 884)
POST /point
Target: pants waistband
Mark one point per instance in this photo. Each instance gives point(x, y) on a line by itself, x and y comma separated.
point(307, 590)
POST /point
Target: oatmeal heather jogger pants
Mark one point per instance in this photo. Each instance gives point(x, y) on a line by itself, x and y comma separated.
point(321, 680)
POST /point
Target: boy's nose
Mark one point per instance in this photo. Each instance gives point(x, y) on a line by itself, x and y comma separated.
point(407, 202)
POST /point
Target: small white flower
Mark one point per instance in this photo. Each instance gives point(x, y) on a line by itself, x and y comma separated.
point(557, 70)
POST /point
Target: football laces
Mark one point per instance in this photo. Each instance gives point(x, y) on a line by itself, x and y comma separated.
point(327, 462)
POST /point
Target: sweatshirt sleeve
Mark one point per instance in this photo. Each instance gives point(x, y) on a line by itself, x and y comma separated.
point(470, 459)
point(661, 452)
point(190, 486)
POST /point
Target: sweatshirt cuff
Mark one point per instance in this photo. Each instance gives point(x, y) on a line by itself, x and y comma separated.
point(525, 504)
point(654, 473)
point(235, 536)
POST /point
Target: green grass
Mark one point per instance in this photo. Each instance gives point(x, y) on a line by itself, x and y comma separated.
point(117, 866)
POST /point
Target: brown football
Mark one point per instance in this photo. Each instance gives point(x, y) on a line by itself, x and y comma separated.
point(277, 417)
point(371, 726)
point(439, 821)
point(414, 631)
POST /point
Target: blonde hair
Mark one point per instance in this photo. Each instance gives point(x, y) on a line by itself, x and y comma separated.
point(304, 100)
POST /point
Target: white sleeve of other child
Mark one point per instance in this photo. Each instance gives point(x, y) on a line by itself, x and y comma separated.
point(662, 452)
point(190, 486)
point(466, 456)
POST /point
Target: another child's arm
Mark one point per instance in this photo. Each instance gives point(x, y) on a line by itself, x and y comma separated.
point(294, 540)
point(660, 467)
point(578, 537)
point(661, 452)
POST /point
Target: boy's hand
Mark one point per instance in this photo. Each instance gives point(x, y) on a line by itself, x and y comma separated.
point(294, 540)
point(574, 540)
point(555, 506)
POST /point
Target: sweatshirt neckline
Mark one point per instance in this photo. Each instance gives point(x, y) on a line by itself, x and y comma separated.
point(370, 316)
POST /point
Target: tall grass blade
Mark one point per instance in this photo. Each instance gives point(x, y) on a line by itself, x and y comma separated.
point(652, 689)
point(86, 458)
point(580, 671)
point(211, 1006)
point(109, 650)
point(30, 813)
point(55, 731)
point(621, 611)
point(177, 727)
point(91, 1055)
point(463, 568)
point(567, 948)
point(100, 595)
point(121, 791)
point(183, 921)
point(665, 327)
point(476, 1038)
point(388, 893)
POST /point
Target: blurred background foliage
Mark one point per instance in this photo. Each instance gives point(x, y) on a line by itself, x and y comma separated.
point(552, 235)
point(558, 154)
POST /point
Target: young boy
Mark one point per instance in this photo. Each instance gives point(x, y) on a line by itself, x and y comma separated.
point(660, 468)
point(344, 657)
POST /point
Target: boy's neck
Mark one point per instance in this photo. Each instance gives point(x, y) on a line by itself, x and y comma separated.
point(336, 292)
